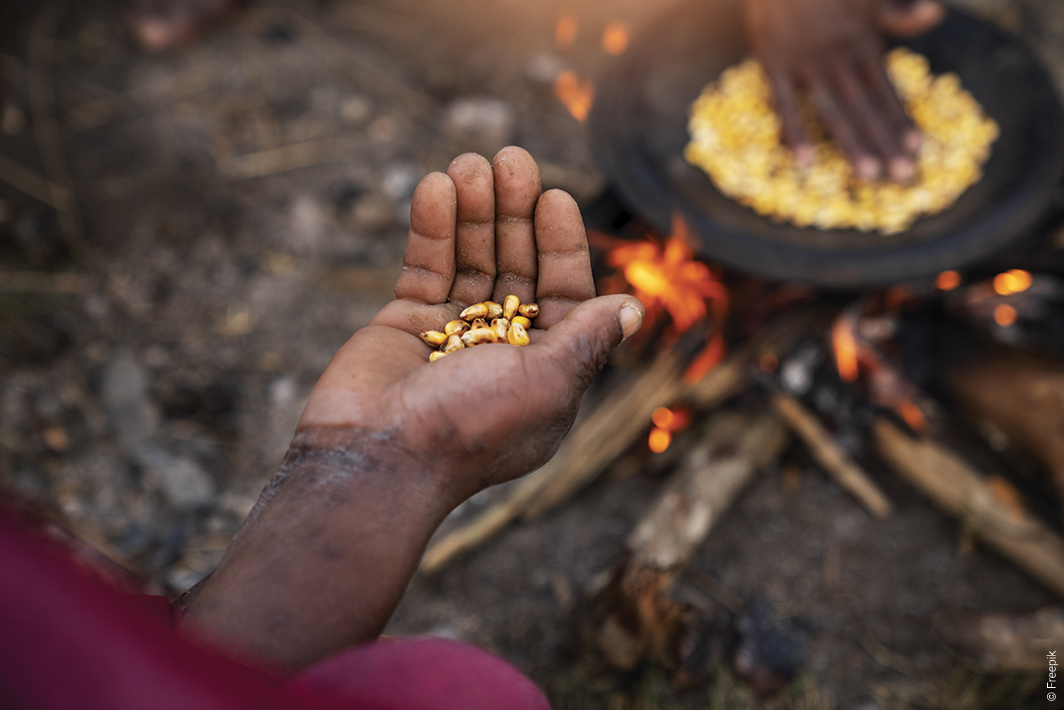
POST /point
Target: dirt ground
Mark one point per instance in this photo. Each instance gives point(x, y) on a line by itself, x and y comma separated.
point(242, 211)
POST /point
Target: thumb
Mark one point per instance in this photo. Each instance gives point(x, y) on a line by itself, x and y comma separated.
point(580, 342)
point(908, 18)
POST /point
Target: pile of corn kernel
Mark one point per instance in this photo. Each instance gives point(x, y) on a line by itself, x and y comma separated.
point(735, 138)
point(487, 322)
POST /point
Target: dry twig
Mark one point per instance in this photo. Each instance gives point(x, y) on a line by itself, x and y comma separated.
point(830, 456)
point(948, 480)
point(41, 96)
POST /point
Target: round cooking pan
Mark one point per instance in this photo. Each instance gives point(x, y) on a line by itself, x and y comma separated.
point(638, 129)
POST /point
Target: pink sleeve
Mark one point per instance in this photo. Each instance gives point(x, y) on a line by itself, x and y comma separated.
point(69, 641)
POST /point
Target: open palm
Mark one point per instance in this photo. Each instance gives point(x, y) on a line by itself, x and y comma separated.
point(487, 414)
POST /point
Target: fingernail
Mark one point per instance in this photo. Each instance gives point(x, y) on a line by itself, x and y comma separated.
point(913, 140)
point(867, 168)
point(902, 169)
point(631, 319)
point(804, 154)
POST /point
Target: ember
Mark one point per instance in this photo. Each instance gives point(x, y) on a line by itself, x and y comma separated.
point(1012, 281)
point(615, 38)
point(565, 31)
point(845, 348)
point(577, 95)
point(666, 423)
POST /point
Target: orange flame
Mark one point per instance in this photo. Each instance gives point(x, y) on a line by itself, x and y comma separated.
point(1004, 315)
point(659, 440)
point(911, 413)
point(666, 277)
point(577, 95)
point(1012, 281)
point(948, 280)
point(666, 422)
point(845, 347)
point(565, 31)
point(615, 38)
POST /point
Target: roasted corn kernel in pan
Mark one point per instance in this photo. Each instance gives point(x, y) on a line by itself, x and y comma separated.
point(735, 139)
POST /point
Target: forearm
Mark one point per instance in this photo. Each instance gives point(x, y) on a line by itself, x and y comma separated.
point(324, 564)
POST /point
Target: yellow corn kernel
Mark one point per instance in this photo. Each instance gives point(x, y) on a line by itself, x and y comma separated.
point(434, 338)
point(477, 310)
point(517, 335)
point(494, 310)
point(454, 342)
point(436, 355)
point(509, 307)
point(478, 323)
point(479, 336)
point(525, 322)
point(528, 310)
point(500, 326)
point(456, 326)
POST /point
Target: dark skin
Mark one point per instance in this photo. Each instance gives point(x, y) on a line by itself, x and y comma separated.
point(834, 50)
point(390, 443)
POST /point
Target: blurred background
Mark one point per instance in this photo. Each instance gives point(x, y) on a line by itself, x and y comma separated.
point(185, 241)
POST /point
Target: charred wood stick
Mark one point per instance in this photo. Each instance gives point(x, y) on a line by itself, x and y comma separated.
point(1023, 397)
point(830, 456)
point(640, 620)
point(722, 383)
point(951, 483)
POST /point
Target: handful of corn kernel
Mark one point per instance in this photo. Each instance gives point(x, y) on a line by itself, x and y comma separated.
point(735, 138)
point(487, 322)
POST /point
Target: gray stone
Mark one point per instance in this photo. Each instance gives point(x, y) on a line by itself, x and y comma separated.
point(132, 416)
point(478, 123)
point(543, 69)
point(181, 479)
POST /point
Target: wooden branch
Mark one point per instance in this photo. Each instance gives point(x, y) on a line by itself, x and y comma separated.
point(830, 456)
point(640, 620)
point(948, 480)
point(277, 160)
point(33, 184)
point(1021, 396)
point(63, 283)
point(41, 96)
point(734, 447)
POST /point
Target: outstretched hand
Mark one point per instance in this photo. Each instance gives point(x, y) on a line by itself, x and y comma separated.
point(389, 443)
point(834, 50)
point(487, 414)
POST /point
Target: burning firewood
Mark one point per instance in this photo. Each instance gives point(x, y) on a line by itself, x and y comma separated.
point(831, 456)
point(951, 483)
point(640, 620)
point(616, 422)
point(1022, 397)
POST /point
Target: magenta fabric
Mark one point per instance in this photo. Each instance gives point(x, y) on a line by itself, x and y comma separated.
point(69, 641)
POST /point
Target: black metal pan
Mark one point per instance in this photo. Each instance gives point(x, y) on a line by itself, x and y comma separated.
point(638, 129)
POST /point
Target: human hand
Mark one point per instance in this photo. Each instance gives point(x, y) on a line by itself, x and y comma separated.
point(834, 50)
point(389, 443)
point(491, 413)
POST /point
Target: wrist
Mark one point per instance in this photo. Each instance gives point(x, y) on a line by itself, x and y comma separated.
point(326, 553)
